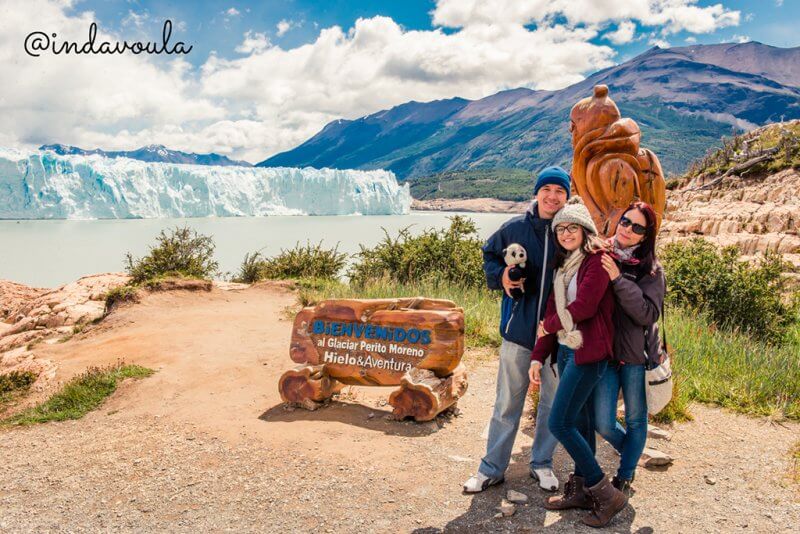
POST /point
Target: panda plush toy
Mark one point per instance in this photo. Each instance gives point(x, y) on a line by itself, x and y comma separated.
point(515, 256)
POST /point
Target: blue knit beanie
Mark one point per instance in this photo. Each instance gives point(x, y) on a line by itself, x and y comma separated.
point(552, 175)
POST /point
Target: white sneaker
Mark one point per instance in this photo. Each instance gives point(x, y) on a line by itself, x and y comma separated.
point(479, 482)
point(547, 479)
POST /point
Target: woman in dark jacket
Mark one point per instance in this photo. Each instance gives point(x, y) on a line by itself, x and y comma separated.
point(638, 283)
point(578, 332)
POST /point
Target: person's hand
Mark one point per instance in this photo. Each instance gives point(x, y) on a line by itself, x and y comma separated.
point(509, 284)
point(611, 267)
point(534, 373)
point(540, 331)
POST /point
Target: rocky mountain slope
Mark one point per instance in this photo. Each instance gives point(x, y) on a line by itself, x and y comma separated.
point(744, 194)
point(684, 100)
point(151, 153)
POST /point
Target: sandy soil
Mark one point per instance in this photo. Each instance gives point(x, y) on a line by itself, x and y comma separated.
point(205, 444)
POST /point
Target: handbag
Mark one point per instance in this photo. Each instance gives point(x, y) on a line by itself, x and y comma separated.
point(658, 374)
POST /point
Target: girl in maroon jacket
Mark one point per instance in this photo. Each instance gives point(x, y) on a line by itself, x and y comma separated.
point(578, 332)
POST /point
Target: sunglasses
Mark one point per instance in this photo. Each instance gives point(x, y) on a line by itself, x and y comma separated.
point(637, 228)
point(571, 228)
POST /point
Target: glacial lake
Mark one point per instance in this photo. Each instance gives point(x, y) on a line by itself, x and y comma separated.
point(49, 253)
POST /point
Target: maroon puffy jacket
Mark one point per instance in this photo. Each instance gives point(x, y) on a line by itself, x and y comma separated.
point(591, 311)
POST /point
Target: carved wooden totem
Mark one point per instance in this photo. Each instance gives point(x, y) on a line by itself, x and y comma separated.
point(609, 170)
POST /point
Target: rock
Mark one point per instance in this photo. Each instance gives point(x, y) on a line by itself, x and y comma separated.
point(516, 497)
point(653, 458)
point(506, 508)
point(710, 480)
point(658, 433)
point(754, 214)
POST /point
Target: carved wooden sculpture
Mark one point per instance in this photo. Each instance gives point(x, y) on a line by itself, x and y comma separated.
point(414, 343)
point(609, 169)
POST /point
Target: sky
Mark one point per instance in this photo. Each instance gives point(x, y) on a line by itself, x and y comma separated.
point(264, 76)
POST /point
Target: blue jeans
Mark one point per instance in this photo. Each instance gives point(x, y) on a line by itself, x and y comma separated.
point(628, 441)
point(571, 420)
point(512, 388)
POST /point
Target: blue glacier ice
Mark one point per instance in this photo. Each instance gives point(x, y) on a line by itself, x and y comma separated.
point(43, 185)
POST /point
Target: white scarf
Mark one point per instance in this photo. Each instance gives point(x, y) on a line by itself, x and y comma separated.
point(569, 335)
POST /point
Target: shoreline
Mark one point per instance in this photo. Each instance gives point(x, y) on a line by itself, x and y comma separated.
point(470, 205)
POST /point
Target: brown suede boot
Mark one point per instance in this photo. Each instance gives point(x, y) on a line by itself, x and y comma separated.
point(608, 502)
point(575, 496)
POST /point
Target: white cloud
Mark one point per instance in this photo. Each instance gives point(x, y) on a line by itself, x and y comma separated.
point(691, 39)
point(674, 15)
point(253, 42)
point(135, 19)
point(623, 34)
point(59, 98)
point(735, 38)
point(779, 3)
point(661, 43)
point(232, 12)
point(272, 99)
point(284, 26)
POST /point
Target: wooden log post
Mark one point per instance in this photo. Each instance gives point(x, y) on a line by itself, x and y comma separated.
point(422, 395)
point(308, 386)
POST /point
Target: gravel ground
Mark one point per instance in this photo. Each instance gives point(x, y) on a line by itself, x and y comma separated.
point(206, 445)
point(119, 473)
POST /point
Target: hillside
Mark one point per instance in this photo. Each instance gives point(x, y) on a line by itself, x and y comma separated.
point(684, 99)
point(744, 194)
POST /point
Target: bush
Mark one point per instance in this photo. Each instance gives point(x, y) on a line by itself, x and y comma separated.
point(250, 271)
point(302, 261)
point(449, 255)
point(117, 294)
point(181, 252)
point(733, 293)
point(14, 384)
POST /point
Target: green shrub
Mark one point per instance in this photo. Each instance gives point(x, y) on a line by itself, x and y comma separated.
point(449, 255)
point(80, 395)
point(305, 261)
point(14, 384)
point(117, 294)
point(733, 293)
point(302, 261)
point(181, 252)
point(251, 269)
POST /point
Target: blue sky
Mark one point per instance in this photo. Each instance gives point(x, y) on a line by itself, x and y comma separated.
point(265, 76)
point(210, 26)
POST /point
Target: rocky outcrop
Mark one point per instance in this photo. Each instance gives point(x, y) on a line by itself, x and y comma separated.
point(475, 205)
point(32, 314)
point(755, 214)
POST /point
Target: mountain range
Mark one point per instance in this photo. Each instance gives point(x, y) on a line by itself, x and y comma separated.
point(684, 99)
point(151, 153)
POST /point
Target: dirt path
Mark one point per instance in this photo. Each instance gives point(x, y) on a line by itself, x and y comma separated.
point(205, 444)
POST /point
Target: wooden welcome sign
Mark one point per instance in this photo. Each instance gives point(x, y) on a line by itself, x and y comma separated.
point(415, 343)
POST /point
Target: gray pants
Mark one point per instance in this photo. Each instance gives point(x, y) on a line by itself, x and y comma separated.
point(512, 387)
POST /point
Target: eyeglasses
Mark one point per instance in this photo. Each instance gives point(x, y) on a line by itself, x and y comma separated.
point(637, 228)
point(571, 228)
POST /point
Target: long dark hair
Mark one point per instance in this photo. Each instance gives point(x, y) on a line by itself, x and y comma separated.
point(646, 252)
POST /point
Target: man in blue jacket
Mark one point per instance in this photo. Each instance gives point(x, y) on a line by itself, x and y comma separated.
point(518, 322)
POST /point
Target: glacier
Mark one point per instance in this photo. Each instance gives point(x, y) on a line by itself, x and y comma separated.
point(44, 185)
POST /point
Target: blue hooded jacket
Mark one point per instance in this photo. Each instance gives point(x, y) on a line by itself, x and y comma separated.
point(518, 319)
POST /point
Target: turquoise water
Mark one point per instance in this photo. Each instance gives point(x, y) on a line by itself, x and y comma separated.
point(48, 253)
